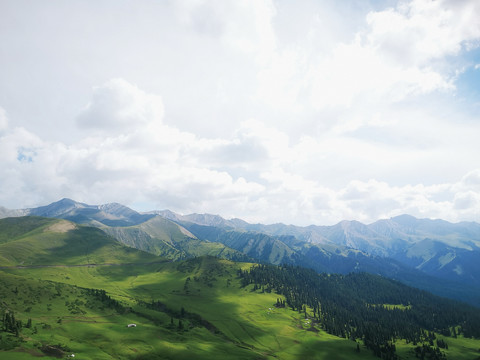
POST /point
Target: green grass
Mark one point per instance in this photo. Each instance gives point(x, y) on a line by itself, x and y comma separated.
point(236, 322)
point(248, 325)
point(55, 241)
point(163, 237)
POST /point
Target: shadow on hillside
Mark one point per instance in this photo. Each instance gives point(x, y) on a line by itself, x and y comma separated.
point(90, 245)
point(79, 242)
point(126, 271)
point(200, 287)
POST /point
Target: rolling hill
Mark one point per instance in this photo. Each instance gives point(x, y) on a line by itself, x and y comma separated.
point(207, 308)
point(36, 241)
point(429, 254)
point(163, 237)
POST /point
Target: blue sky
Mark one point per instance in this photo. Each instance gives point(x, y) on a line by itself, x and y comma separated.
point(272, 111)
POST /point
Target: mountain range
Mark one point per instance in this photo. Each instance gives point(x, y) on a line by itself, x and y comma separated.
point(72, 290)
point(435, 255)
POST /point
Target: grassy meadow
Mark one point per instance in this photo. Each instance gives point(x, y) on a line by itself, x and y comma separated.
point(69, 289)
point(242, 324)
point(236, 322)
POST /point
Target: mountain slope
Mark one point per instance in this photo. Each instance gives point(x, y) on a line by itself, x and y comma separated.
point(334, 258)
point(147, 232)
point(461, 235)
point(258, 246)
point(28, 241)
point(163, 237)
point(435, 247)
point(204, 308)
point(420, 252)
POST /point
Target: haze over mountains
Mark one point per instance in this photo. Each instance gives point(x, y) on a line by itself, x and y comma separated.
point(436, 255)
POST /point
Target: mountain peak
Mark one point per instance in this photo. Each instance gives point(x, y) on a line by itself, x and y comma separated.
point(57, 208)
point(405, 220)
point(65, 201)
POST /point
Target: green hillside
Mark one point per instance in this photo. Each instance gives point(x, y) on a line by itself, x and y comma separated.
point(221, 318)
point(163, 237)
point(31, 241)
point(205, 308)
point(258, 246)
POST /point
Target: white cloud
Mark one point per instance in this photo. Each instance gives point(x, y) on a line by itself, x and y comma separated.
point(305, 113)
point(471, 181)
point(119, 106)
point(258, 174)
point(3, 119)
point(245, 26)
point(417, 32)
point(466, 201)
point(400, 54)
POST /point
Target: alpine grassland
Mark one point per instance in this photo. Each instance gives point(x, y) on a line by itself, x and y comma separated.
point(204, 313)
point(69, 289)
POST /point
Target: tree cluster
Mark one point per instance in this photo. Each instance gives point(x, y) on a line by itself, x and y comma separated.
point(101, 295)
point(12, 325)
point(355, 306)
point(182, 315)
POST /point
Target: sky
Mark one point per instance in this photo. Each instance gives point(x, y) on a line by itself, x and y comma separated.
point(301, 112)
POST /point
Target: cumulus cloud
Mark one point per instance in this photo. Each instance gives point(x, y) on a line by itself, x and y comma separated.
point(335, 120)
point(417, 32)
point(258, 174)
point(118, 106)
point(400, 53)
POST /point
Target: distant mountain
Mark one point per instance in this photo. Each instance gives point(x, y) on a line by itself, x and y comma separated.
point(431, 254)
point(202, 219)
point(331, 259)
point(163, 237)
point(411, 230)
point(436, 247)
point(109, 214)
point(258, 246)
point(4, 212)
point(148, 232)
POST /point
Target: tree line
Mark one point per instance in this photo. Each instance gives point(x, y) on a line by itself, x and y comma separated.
point(366, 307)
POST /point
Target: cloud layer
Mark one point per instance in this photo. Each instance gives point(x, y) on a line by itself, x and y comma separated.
point(246, 176)
point(250, 119)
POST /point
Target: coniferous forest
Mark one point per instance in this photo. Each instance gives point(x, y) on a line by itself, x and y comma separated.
point(369, 308)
